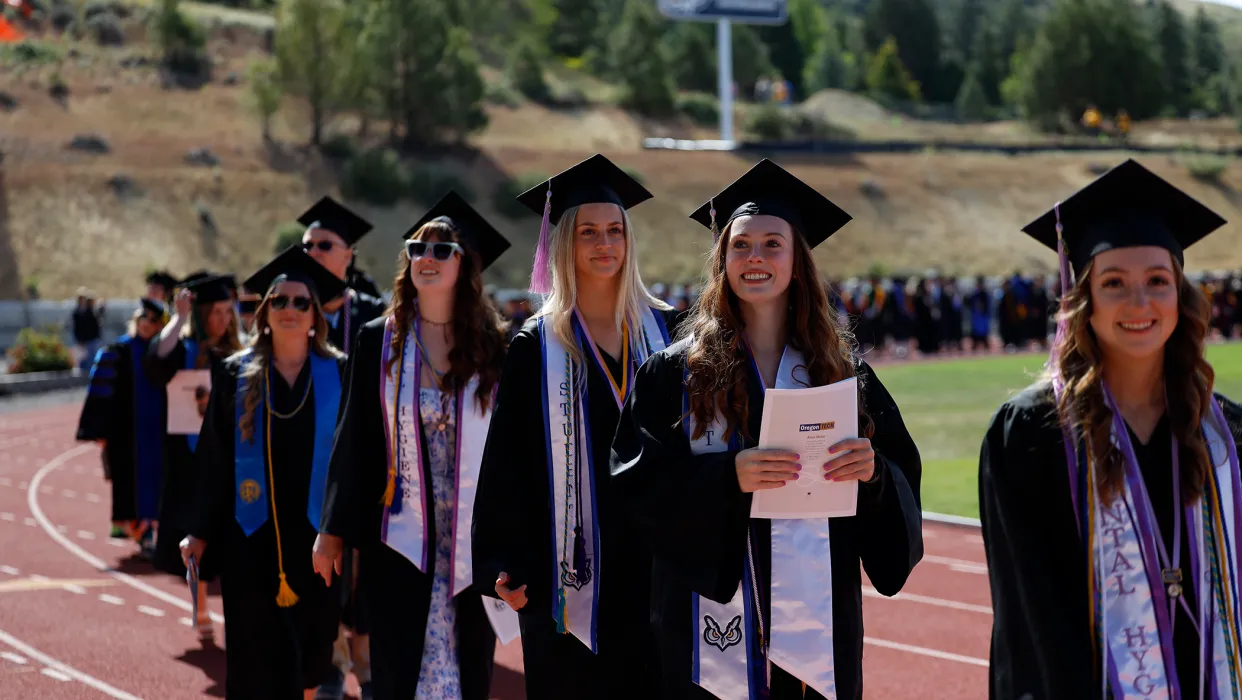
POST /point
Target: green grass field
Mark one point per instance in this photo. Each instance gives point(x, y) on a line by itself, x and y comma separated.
point(947, 406)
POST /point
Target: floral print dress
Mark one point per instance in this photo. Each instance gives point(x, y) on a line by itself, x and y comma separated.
point(439, 677)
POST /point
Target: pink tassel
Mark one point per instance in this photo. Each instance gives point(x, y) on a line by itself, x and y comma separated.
point(1067, 283)
point(541, 276)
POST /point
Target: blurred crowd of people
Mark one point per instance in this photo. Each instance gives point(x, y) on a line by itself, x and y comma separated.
point(906, 316)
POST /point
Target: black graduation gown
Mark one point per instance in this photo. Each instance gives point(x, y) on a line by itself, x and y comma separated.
point(272, 653)
point(181, 477)
point(362, 310)
point(397, 595)
point(927, 322)
point(695, 516)
point(1041, 640)
point(110, 413)
point(512, 526)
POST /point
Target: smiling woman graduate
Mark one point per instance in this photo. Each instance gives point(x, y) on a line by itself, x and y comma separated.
point(748, 608)
point(1109, 491)
point(263, 455)
point(546, 529)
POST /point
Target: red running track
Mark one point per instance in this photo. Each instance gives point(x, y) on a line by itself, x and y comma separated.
point(83, 617)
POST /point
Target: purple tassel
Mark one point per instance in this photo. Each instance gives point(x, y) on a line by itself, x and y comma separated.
point(541, 276)
point(1067, 283)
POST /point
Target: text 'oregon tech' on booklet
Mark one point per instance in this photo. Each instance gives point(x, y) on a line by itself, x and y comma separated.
point(808, 422)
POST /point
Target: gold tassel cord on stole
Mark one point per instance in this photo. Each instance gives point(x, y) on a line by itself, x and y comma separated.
point(285, 597)
point(391, 487)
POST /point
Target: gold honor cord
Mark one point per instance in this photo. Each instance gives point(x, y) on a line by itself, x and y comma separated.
point(285, 597)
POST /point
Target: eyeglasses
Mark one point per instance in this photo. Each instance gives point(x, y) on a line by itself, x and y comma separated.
point(324, 245)
point(439, 251)
point(282, 301)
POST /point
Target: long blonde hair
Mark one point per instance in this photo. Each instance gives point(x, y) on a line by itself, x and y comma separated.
point(1188, 380)
point(261, 358)
point(632, 296)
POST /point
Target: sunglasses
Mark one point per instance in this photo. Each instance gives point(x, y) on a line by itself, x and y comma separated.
point(325, 246)
point(282, 301)
point(439, 251)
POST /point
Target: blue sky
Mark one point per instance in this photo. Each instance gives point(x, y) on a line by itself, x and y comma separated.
point(1230, 3)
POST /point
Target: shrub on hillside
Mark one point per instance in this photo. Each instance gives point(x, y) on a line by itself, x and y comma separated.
point(770, 122)
point(525, 71)
point(30, 52)
point(105, 28)
point(287, 234)
point(339, 147)
point(971, 103)
point(429, 183)
point(1207, 168)
point(39, 351)
point(182, 41)
point(887, 77)
point(702, 108)
point(376, 176)
point(504, 199)
point(502, 93)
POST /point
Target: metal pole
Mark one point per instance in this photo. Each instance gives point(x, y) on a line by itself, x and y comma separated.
point(724, 71)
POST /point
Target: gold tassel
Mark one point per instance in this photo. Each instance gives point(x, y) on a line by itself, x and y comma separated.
point(391, 487)
point(285, 597)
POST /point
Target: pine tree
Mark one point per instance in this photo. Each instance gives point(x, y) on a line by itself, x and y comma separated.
point(1174, 55)
point(310, 47)
point(575, 26)
point(887, 77)
point(915, 27)
point(642, 63)
point(750, 58)
point(972, 103)
point(992, 66)
point(525, 70)
point(826, 67)
point(970, 20)
point(692, 55)
point(1207, 48)
point(263, 77)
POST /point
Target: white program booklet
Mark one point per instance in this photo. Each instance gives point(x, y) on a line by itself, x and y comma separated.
point(187, 401)
point(504, 620)
point(808, 422)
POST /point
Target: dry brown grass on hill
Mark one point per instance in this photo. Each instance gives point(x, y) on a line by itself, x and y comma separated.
point(69, 227)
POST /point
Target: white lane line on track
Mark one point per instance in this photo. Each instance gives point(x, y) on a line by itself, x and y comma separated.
point(32, 500)
point(6, 569)
point(928, 600)
point(14, 658)
point(962, 565)
point(924, 651)
point(111, 599)
point(148, 610)
point(29, 522)
point(8, 517)
point(5, 481)
point(58, 675)
point(73, 673)
point(69, 493)
point(93, 498)
point(86, 535)
point(74, 588)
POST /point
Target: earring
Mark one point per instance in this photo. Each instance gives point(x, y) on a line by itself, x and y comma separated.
point(267, 330)
point(311, 333)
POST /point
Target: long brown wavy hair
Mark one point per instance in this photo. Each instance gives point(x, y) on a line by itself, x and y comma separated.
point(196, 329)
point(717, 361)
point(478, 337)
point(256, 368)
point(1080, 366)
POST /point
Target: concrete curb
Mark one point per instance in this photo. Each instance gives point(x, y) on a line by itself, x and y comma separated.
point(954, 520)
point(40, 382)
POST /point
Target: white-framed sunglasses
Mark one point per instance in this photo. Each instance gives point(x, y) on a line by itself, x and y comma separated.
point(440, 251)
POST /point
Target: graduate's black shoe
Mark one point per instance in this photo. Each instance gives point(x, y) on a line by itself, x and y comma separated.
point(334, 687)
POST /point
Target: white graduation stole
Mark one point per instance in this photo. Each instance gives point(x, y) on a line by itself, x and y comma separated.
point(567, 432)
point(725, 662)
point(1134, 655)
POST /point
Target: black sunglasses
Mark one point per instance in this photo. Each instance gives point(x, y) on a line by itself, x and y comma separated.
point(325, 246)
point(281, 301)
point(439, 251)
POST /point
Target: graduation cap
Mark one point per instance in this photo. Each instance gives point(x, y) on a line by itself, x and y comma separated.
point(295, 265)
point(152, 306)
point(192, 278)
point(1126, 207)
point(333, 216)
point(162, 278)
point(595, 180)
point(209, 289)
point(474, 230)
point(768, 189)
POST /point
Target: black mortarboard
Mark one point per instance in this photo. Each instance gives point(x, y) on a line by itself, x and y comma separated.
point(230, 281)
point(247, 306)
point(474, 230)
point(153, 306)
point(768, 189)
point(209, 289)
point(193, 277)
point(1126, 207)
point(595, 180)
point(161, 278)
point(330, 214)
point(297, 266)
